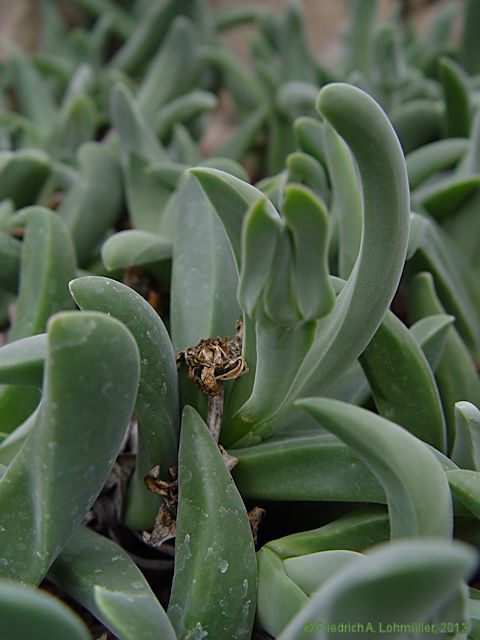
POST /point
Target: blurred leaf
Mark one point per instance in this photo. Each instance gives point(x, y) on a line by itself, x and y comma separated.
point(136, 135)
point(445, 196)
point(33, 95)
point(171, 72)
point(358, 47)
point(10, 250)
point(457, 100)
point(469, 44)
point(417, 123)
point(122, 24)
point(297, 60)
point(47, 266)
point(433, 158)
point(23, 175)
point(237, 77)
point(29, 613)
point(150, 30)
point(244, 136)
point(94, 202)
point(182, 110)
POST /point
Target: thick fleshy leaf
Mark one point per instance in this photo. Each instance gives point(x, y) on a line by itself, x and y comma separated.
point(279, 300)
point(21, 362)
point(31, 613)
point(213, 537)
point(455, 281)
point(157, 399)
point(309, 134)
point(259, 235)
point(415, 485)
point(307, 170)
point(431, 334)
point(302, 468)
point(101, 576)
point(307, 221)
point(231, 198)
point(278, 597)
point(90, 386)
point(465, 485)
point(356, 531)
point(47, 265)
point(456, 375)
point(133, 248)
point(360, 308)
point(466, 448)
point(402, 382)
point(204, 278)
point(402, 582)
point(310, 571)
point(346, 200)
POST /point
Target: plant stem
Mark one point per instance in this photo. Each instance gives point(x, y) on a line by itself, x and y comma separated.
point(215, 412)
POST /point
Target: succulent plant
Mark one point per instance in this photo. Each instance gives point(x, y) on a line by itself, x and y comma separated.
point(239, 389)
